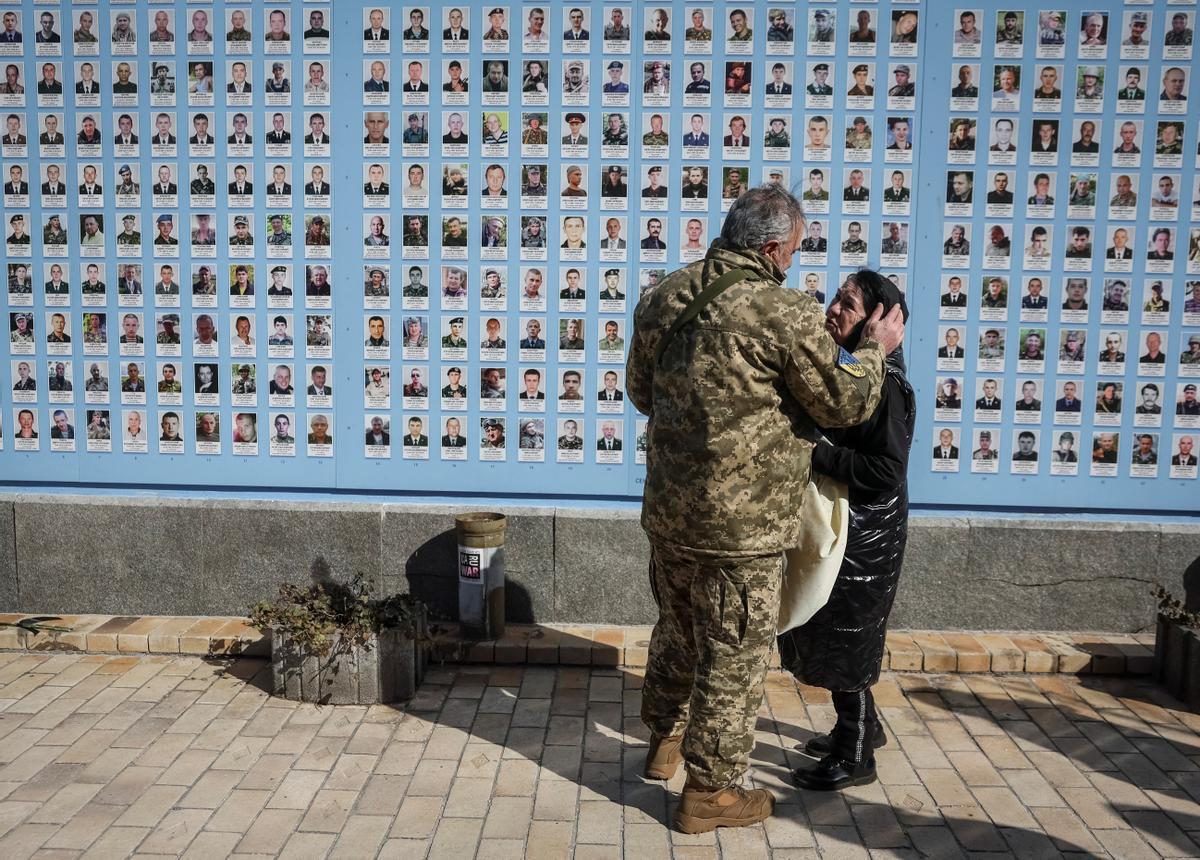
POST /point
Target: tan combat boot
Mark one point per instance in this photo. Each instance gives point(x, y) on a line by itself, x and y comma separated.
point(702, 809)
point(664, 758)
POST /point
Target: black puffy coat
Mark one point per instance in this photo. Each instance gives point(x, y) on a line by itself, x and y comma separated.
point(841, 646)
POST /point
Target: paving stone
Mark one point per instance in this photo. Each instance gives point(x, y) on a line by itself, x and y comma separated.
point(549, 840)
point(211, 845)
point(1125, 844)
point(513, 849)
point(418, 818)
point(238, 811)
point(116, 842)
point(1162, 833)
point(48, 781)
point(788, 827)
point(509, 818)
point(163, 751)
point(65, 804)
point(382, 795)
point(151, 806)
point(308, 845)
point(85, 827)
point(468, 798)
point(841, 842)
point(1066, 830)
point(269, 831)
point(432, 778)
point(175, 832)
point(1003, 807)
point(973, 828)
point(555, 801)
point(455, 838)
point(297, 790)
point(516, 778)
point(267, 772)
point(1180, 806)
point(329, 811)
point(188, 767)
point(350, 772)
point(361, 837)
point(183, 757)
point(1092, 808)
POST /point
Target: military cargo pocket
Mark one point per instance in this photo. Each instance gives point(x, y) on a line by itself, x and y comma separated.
point(732, 609)
point(733, 749)
point(655, 566)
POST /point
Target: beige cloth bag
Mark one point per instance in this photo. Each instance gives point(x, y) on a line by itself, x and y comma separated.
point(813, 565)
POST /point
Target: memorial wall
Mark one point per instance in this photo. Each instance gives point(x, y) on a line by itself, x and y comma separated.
point(352, 247)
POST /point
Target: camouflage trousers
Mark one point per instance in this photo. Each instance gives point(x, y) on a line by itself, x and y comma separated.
point(708, 656)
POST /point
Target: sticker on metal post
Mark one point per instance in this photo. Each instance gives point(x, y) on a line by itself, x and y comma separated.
point(469, 566)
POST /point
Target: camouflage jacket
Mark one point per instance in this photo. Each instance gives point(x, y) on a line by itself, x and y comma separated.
point(727, 458)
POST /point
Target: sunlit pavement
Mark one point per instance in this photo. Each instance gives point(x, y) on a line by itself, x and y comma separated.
point(141, 756)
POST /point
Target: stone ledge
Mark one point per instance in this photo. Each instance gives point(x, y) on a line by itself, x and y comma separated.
point(148, 634)
point(598, 645)
point(937, 652)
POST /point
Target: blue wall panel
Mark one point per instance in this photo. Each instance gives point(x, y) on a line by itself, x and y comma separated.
point(823, 135)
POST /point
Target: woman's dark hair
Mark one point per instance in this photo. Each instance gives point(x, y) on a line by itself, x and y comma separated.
point(876, 290)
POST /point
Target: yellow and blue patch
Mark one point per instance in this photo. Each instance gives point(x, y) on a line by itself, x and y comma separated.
point(850, 364)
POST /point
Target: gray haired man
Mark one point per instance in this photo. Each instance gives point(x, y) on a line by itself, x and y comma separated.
point(725, 473)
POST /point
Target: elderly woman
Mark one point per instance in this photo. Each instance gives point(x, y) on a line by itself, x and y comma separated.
point(841, 647)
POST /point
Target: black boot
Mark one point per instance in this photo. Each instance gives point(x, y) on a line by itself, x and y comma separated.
point(849, 758)
point(822, 745)
point(833, 774)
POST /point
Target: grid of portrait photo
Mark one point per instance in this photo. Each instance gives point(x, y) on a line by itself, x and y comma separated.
point(167, 210)
point(174, 201)
point(558, 160)
point(1068, 336)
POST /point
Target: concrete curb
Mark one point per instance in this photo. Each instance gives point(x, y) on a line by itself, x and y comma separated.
point(598, 645)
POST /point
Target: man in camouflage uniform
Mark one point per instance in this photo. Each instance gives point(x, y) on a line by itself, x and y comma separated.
point(54, 234)
point(859, 135)
point(698, 32)
point(455, 339)
point(535, 135)
point(278, 236)
point(659, 137)
point(416, 288)
point(375, 287)
point(493, 433)
point(169, 334)
point(492, 288)
point(617, 30)
point(822, 27)
point(317, 335)
point(96, 380)
point(169, 384)
point(242, 237)
point(129, 236)
point(777, 136)
point(854, 243)
point(726, 469)
point(243, 384)
point(238, 31)
point(570, 441)
point(615, 133)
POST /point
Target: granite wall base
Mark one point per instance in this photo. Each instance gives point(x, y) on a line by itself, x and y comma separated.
point(9, 595)
point(136, 555)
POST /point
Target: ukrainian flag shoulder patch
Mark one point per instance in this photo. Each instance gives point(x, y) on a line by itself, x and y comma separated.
point(850, 364)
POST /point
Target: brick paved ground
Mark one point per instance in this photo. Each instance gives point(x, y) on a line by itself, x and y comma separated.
point(118, 756)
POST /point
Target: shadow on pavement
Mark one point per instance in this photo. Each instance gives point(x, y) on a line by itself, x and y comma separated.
point(1029, 766)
